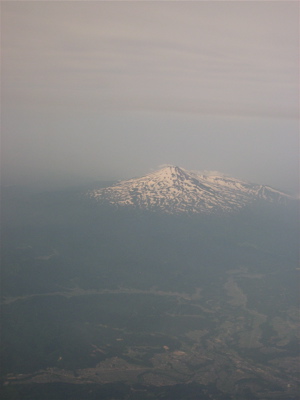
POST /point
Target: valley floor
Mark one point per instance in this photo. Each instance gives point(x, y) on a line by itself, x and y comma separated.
point(190, 340)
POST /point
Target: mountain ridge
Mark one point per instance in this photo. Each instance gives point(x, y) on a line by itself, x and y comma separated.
point(174, 190)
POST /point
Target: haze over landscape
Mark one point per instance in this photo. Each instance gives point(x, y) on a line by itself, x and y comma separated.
point(112, 90)
point(150, 200)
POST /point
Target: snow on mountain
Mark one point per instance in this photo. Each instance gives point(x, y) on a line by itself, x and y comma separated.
point(174, 190)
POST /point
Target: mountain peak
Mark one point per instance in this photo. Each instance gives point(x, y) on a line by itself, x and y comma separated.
point(172, 189)
point(171, 168)
point(168, 172)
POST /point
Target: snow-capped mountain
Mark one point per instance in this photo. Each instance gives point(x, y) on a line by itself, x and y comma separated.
point(174, 190)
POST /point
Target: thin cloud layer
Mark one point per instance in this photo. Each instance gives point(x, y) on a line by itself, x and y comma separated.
point(112, 89)
point(200, 57)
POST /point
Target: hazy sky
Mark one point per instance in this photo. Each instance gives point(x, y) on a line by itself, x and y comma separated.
point(106, 90)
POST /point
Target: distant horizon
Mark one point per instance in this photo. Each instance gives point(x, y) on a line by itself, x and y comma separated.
point(118, 88)
point(59, 183)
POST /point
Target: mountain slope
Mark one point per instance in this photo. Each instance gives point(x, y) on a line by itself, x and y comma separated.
point(174, 190)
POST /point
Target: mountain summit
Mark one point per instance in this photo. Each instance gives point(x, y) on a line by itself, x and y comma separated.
point(175, 190)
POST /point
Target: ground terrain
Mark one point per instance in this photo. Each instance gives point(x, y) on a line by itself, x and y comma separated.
point(108, 304)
